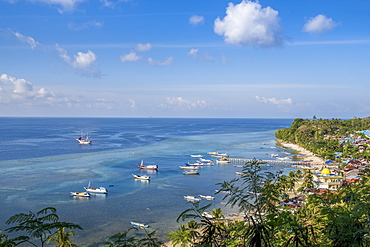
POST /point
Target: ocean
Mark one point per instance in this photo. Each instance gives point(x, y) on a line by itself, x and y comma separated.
point(41, 162)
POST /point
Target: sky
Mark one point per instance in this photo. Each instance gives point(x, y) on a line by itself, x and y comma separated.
point(190, 59)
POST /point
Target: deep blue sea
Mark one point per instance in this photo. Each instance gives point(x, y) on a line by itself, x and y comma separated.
point(41, 162)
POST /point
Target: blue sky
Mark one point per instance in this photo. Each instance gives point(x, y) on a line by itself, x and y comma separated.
point(144, 58)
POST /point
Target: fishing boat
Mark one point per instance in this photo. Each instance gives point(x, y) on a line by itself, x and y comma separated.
point(191, 198)
point(191, 172)
point(139, 224)
point(81, 140)
point(189, 167)
point(100, 190)
point(147, 167)
point(80, 194)
point(207, 197)
point(143, 177)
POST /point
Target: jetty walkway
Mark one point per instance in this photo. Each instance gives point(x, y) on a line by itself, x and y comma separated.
point(275, 162)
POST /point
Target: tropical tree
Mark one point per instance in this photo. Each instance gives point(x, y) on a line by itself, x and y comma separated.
point(122, 239)
point(61, 238)
point(39, 226)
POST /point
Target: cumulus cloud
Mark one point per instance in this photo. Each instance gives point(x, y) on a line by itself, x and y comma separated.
point(168, 61)
point(196, 19)
point(319, 24)
point(130, 57)
point(143, 47)
point(83, 63)
point(196, 56)
point(247, 23)
point(21, 91)
point(183, 104)
point(26, 39)
point(275, 101)
point(64, 5)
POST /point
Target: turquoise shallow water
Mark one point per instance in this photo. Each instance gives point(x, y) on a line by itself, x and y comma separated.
point(41, 163)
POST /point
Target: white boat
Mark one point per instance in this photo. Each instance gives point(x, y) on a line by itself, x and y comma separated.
point(147, 167)
point(196, 155)
point(80, 194)
point(143, 177)
point(191, 198)
point(220, 155)
point(207, 215)
point(81, 140)
point(223, 161)
point(100, 190)
point(186, 167)
point(212, 153)
point(139, 224)
point(191, 172)
point(207, 197)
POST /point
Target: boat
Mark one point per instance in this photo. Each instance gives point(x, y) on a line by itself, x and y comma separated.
point(100, 190)
point(207, 197)
point(147, 167)
point(80, 194)
point(191, 198)
point(188, 167)
point(242, 174)
point(139, 224)
point(191, 172)
point(193, 164)
point(223, 161)
point(84, 141)
point(143, 177)
point(196, 155)
point(208, 215)
point(218, 155)
point(212, 153)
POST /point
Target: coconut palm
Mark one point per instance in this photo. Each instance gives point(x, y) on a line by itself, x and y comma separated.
point(61, 238)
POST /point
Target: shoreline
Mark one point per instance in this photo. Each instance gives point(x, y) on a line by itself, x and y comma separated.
point(316, 162)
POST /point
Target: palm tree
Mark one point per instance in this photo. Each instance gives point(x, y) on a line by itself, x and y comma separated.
point(181, 237)
point(61, 237)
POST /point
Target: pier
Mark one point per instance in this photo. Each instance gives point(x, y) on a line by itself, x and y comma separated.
point(274, 162)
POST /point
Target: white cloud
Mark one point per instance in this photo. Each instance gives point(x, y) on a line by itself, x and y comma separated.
point(183, 104)
point(196, 19)
point(64, 5)
point(196, 56)
point(130, 57)
point(319, 24)
point(26, 39)
point(143, 47)
point(132, 102)
point(275, 101)
point(168, 61)
point(83, 63)
point(249, 24)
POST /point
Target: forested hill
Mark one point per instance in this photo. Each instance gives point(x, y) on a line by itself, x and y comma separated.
point(326, 138)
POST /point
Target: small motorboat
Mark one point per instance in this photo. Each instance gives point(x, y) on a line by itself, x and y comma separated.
point(188, 167)
point(191, 198)
point(207, 197)
point(147, 167)
point(196, 156)
point(191, 172)
point(139, 224)
point(143, 177)
point(80, 194)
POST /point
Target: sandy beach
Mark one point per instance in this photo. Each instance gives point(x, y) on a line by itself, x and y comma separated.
point(317, 162)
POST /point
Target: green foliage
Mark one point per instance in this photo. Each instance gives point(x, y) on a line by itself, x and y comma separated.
point(38, 226)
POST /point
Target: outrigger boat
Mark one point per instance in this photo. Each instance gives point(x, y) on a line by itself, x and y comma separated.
point(100, 190)
point(191, 198)
point(189, 167)
point(207, 197)
point(143, 177)
point(191, 172)
point(147, 167)
point(139, 224)
point(80, 194)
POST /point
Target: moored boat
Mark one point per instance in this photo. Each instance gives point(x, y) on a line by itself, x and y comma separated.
point(147, 167)
point(189, 167)
point(207, 197)
point(100, 190)
point(196, 155)
point(139, 224)
point(143, 177)
point(191, 172)
point(80, 194)
point(191, 198)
